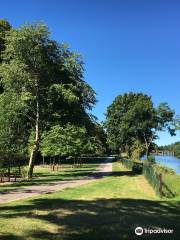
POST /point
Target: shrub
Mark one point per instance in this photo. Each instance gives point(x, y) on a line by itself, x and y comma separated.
point(151, 159)
point(163, 169)
point(137, 168)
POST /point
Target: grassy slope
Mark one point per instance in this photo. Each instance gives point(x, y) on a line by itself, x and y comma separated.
point(173, 182)
point(109, 208)
point(43, 175)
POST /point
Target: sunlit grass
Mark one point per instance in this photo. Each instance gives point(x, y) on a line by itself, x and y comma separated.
point(44, 174)
point(108, 208)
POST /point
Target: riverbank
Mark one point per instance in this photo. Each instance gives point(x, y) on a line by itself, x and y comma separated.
point(169, 161)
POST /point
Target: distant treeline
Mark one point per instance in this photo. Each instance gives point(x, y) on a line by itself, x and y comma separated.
point(175, 147)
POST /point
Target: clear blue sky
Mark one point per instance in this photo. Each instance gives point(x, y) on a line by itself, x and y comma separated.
point(127, 45)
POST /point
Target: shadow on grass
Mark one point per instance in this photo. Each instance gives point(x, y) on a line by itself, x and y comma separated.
point(10, 237)
point(87, 175)
point(97, 219)
point(61, 175)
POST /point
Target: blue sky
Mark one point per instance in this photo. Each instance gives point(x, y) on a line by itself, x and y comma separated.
point(127, 45)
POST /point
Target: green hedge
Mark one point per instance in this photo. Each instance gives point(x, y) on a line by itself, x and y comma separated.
point(163, 169)
point(128, 163)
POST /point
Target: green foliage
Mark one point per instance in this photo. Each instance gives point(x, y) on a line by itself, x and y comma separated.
point(151, 159)
point(165, 118)
point(132, 116)
point(137, 168)
point(137, 150)
point(63, 141)
point(163, 169)
point(32, 60)
point(128, 163)
point(4, 28)
point(174, 147)
point(96, 142)
point(177, 122)
point(47, 79)
point(13, 131)
point(94, 146)
point(127, 118)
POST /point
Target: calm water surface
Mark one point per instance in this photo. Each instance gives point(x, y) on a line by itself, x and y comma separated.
point(169, 161)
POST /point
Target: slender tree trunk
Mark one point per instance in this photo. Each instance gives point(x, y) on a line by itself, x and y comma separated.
point(147, 148)
point(148, 143)
point(147, 152)
point(36, 142)
point(9, 173)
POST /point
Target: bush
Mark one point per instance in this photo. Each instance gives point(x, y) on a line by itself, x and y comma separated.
point(151, 159)
point(163, 169)
point(137, 168)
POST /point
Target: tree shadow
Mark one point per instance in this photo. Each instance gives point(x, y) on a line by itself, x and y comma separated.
point(97, 219)
point(47, 177)
point(10, 237)
point(51, 182)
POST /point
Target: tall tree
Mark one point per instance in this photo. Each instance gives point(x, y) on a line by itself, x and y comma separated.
point(13, 129)
point(49, 77)
point(132, 116)
point(177, 122)
point(62, 141)
point(162, 120)
point(4, 29)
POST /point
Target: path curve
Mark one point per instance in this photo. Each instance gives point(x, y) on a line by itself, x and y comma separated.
point(31, 191)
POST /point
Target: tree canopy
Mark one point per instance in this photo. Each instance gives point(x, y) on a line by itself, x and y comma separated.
point(133, 117)
point(4, 29)
point(174, 147)
point(46, 80)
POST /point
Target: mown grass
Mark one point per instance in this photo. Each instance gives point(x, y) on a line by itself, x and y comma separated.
point(173, 182)
point(109, 208)
point(43, 175)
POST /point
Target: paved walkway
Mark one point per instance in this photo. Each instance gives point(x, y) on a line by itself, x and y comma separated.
point(31, 191)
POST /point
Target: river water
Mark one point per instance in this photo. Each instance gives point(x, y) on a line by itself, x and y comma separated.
point(169, 161)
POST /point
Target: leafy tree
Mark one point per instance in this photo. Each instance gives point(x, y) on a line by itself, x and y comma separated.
point(70, 140)
point(174, 147)
point(121, 116)
point(162, 120)
point(4, 28)
point(63, 141)
point(49, 79)
point(13, 131)
point(132, 116)
point(137, 150)
point(94, 146)
point(177, 122)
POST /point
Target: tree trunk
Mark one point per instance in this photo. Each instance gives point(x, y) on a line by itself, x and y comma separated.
point(147, 152)
point(32, 160)
point(9, 173)
point(148, 143)
point(36, 143)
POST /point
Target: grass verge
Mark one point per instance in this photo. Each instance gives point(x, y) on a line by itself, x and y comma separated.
point(43, 175)
point(109, 208)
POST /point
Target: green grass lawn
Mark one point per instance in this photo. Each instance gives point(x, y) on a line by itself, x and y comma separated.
point(107, 209)
point(43, 175)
